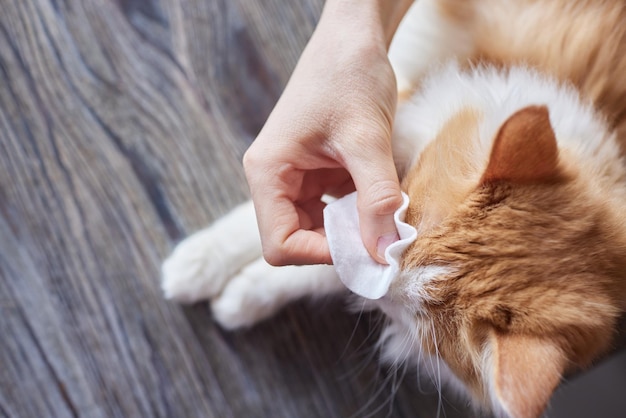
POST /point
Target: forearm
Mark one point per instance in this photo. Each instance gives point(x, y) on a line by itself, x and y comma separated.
point(379, 18)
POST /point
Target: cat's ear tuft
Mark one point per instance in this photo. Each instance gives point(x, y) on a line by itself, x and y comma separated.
point(525, 372)
point(525, 149)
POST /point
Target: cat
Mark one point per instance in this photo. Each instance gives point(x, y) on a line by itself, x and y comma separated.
point(510, 141)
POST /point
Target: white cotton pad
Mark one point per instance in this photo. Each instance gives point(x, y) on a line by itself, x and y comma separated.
point(358, 271)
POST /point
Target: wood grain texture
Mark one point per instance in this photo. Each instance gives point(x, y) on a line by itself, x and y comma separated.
point(122, 127)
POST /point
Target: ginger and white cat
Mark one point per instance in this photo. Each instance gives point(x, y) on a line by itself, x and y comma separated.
point(510, 140)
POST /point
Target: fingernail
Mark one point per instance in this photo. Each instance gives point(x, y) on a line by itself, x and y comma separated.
point(385, 241)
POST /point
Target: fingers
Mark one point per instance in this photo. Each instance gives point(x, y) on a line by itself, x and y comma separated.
point(290, 232)
point(289, 243)
point(379, 196)
point(376, 206)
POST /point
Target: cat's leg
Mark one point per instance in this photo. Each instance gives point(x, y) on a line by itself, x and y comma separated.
point(200, 266)
point(223, 263)
point(260, 290)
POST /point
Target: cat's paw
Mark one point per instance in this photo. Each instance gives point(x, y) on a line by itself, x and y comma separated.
point(202, 264)
point(249, 297)
point(260, 290)
point(195, 270)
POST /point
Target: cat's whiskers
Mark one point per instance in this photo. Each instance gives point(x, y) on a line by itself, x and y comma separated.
point(420, 362)
point(368, 351)
point(395, 386)
point(391, 378)
point(437, 382)
point(354, 329)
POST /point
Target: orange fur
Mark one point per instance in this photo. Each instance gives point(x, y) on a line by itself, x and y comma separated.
point(579, 41)
point(437, 189)
point(536, 250)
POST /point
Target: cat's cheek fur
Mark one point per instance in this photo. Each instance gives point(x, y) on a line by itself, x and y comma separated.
point(401, 342)
point(409, 329)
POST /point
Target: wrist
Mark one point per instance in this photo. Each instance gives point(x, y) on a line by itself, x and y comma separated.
point(377, 19)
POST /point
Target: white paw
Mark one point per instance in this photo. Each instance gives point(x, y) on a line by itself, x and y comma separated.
point(195, 270)
point(249, 297)
point(260, 290)
point(200, 266)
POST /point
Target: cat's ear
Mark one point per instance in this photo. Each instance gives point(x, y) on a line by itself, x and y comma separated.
point(524, 373)
point(525, 149)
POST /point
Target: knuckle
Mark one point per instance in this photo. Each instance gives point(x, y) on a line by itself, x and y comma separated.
point(275, 255)
point(250, 160)
point(383, 198)
point(255, 167)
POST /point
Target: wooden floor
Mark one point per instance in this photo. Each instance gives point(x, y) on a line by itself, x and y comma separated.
point(122, 127)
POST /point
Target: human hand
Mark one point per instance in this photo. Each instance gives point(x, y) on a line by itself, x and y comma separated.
point(328, 134)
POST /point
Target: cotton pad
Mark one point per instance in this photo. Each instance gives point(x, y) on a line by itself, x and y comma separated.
point(358, 271)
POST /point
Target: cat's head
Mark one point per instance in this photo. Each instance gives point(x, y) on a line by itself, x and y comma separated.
point(517, 275)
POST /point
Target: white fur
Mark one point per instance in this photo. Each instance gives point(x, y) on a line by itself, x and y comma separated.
point(419, 281)
point(260, 290)
point(401, 338)
point(200, 265)
point(222, 263)
point(431, 40)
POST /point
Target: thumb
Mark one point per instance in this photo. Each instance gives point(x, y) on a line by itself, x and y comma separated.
point(378, 197)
